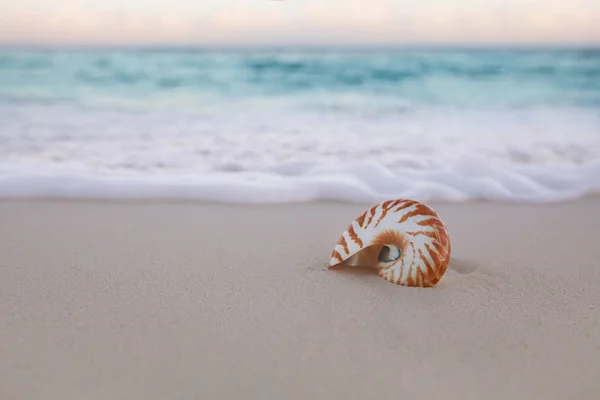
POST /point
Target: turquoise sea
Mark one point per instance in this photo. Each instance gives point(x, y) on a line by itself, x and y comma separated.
point(265, 125)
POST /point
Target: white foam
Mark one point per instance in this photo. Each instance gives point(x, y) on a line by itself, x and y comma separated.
point(468, 178)
point(272, 157)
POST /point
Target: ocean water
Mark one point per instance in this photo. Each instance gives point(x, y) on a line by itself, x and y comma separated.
point(263, 126)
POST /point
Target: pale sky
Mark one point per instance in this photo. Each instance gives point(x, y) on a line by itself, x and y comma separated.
point(303, 22)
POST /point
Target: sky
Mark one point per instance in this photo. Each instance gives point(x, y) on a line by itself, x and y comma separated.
point(299, 22)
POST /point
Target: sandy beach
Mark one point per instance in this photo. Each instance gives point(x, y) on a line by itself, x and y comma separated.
point(167, 300)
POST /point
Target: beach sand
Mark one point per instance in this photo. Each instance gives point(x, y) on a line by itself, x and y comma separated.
point(151, 300)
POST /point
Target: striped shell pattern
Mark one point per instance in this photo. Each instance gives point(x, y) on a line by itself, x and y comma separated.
point(405, 240)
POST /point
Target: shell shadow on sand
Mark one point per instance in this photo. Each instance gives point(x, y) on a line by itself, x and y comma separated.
point(457, 267)
point(462, 266)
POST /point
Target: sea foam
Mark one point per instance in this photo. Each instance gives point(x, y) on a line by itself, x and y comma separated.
point(292, 126)
point(469, 178)
point(268, 157)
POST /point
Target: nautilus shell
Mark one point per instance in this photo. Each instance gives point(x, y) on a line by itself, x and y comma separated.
point(405, 240)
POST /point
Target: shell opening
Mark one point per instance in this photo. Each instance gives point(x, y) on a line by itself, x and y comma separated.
point(389, 253)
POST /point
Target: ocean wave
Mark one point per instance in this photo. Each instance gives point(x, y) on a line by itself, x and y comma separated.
point(469, 178)
point(446, 78)
point(268, 126)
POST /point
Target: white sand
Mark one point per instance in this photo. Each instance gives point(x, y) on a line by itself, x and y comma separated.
point(184, 301)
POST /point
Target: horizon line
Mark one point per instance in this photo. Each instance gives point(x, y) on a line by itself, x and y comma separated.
point(325, 46)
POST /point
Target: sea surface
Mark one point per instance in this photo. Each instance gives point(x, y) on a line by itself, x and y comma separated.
point(291, 125)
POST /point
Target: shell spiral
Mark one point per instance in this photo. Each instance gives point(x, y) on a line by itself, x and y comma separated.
point(405, 240)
